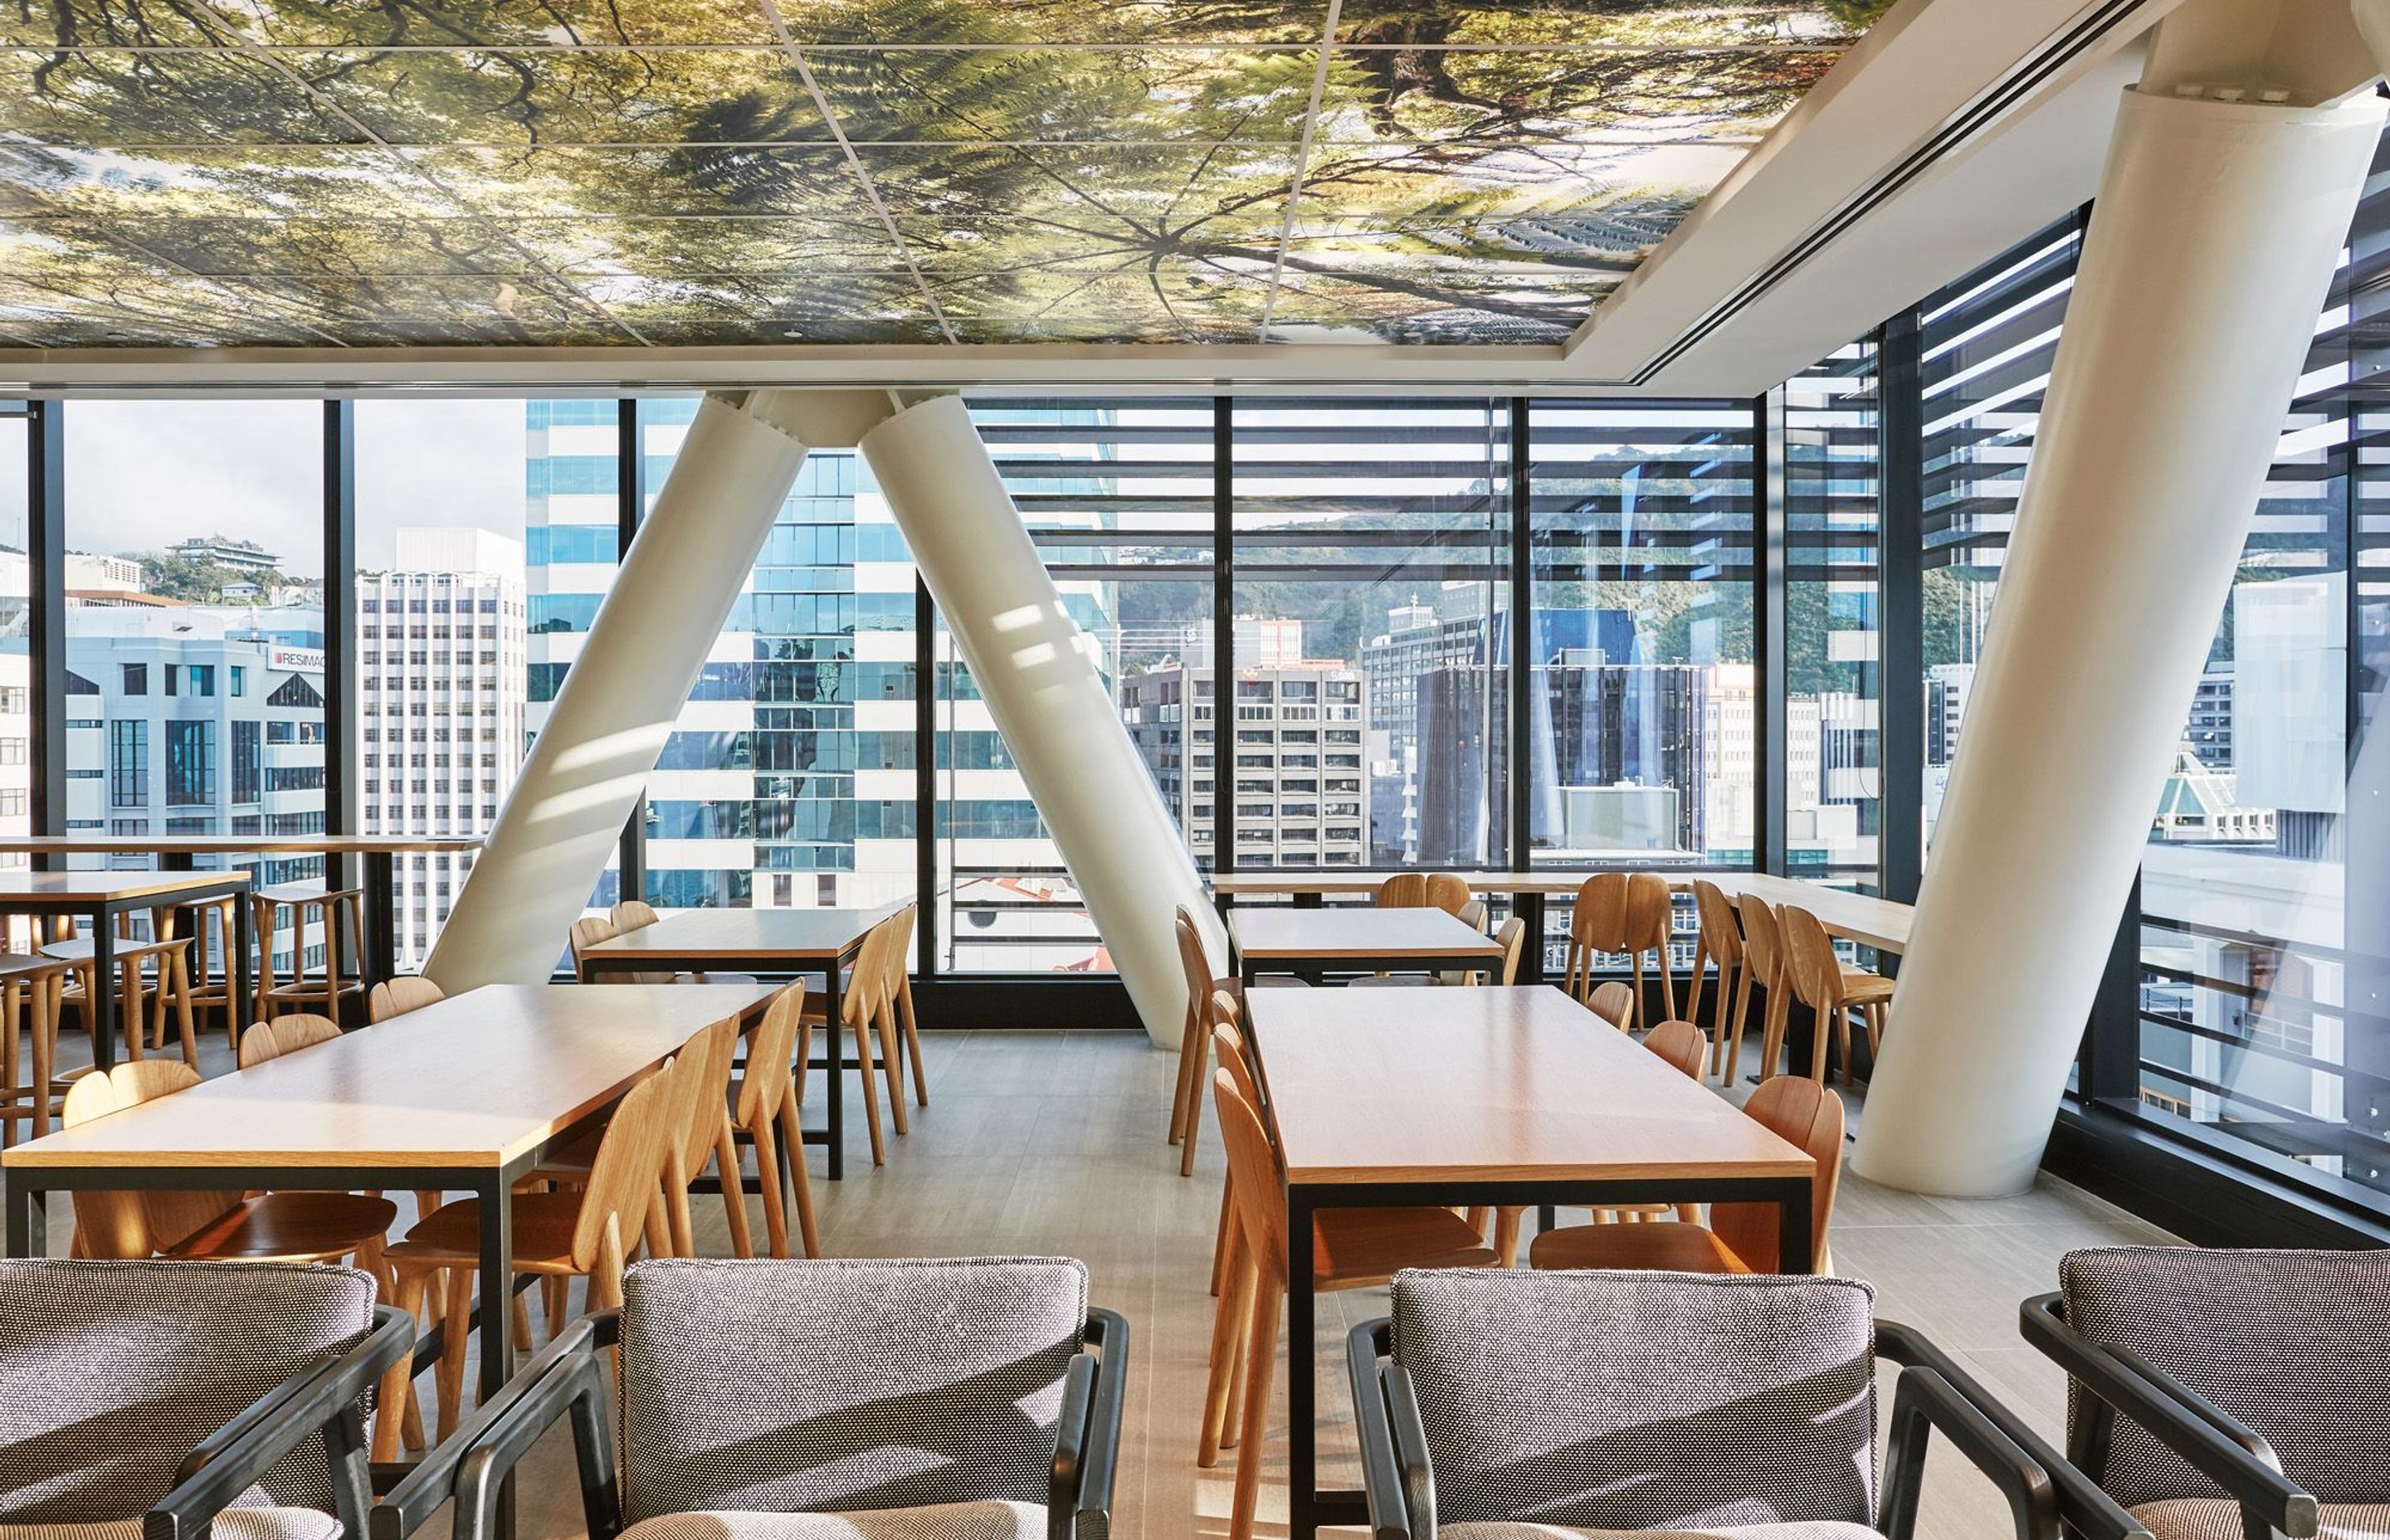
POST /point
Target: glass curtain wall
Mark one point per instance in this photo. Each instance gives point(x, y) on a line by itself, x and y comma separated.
point(1832, 761)
point(15, 595)
point(1370, 633)
point(1642, 738)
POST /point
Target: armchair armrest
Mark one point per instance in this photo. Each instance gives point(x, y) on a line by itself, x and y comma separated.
point(2210, 1440)
point(2083, 1504)
point(320, 1400)
point(1922, 1401)
point(1087, 1433)
point(1395, 1473)
point(471, 1466)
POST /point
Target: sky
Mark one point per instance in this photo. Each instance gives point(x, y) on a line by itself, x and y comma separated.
point(144, 474)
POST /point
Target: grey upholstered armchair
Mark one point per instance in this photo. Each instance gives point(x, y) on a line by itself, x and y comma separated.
point(169, 1399)
point(912, 1399)
point(2219, 1395)
point(1508, 1405)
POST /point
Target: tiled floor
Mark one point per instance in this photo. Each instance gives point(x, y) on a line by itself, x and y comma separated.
point(1051, 1143)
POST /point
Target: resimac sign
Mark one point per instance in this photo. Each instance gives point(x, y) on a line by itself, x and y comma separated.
point(295, 659)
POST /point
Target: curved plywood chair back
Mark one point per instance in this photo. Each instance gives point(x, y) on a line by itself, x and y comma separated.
point(1721, 936)
point(134, 1225)
point(1403, 890)
point(1255, 1185)
point(1681, 1044)
point(1514, 940)
point(398, 997)
point(1228, 1048)
point(1651, 909)
point(1448, 893)
point(1762, 937)
point(1599, 919)
point(588, 932)
point(1808, 1116)
point(269, 1040)
point(629, 1163)
point(1194, 964)
point(1613, 1002)
point(632, 914)
point(769, 1080)
point(1808, 958)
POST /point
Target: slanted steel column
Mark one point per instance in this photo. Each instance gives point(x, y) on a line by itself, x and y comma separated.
point(1037, 673)
point(2219, 219)
point(586, 769)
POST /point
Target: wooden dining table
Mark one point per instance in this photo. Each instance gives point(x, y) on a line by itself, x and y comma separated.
point(99, 897)
point(1477, 1098)
point(1310, 943)
point(176, 853)
point(463, 1095)
point(766, 941)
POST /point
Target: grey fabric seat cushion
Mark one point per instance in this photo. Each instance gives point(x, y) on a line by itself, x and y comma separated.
point(2296, 1344)
point(798, 1387)
point(1823, 1530)
point(112, 1372)
point(942, 1521)
point(2219, 1518)
point(234, 1524)
point(1640, 1401)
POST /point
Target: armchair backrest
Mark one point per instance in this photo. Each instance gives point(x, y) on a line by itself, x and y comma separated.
point(112, 1372)
point(817, 1386)
point(1631, 1401)
point(2296, 1344)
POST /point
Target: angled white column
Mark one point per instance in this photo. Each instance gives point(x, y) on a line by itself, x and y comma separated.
point(1037, 673)
point(608, 724)
point(2211, 248)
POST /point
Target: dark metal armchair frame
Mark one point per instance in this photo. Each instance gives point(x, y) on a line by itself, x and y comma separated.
point(566, 1382)
point(327, 1400)
point(2047, 1498)
point(2111, 1379)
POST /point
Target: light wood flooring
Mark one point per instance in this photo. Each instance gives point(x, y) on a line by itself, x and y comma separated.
point(1050, 1142)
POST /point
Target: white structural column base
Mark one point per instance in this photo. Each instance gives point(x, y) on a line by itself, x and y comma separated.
point(586, 770)
point(1037, 671)
point(2211, 250)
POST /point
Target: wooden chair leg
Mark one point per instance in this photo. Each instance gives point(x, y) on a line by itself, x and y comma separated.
point(1191, 1133)
point(868, 1073)
point(450, 1379)
point(791, 1136)
point(912, 1038)
point(1232, 1408)
point(1260, 1364)
point(734, 1191)
point(518, 1323)
point(182, 983)
point(1635, 1012)
point(1222, 1240)
point(556, 1303)
point(1693, 984)
point(1233, 1307)
point(1823, 1024)
point(1505, 1234)
point(397, 1398)
point(47, 1004)
point(892, 1064)
point(767, 1176)
point(1731, 1027)
point(1180, 1093)
point(1668, 983)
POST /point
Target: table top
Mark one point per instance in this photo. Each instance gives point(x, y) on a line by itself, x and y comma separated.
point(472, 1081)
point(1488, 1085)
point(1324, 935)
point(1877, 922)
point(735, 935)
point(20, 889)
point(234, 845)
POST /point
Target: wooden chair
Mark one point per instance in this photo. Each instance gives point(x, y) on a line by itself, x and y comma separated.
point(1763, 966)
point(1718, 944)
point(860, 1009)
point(1739, 1238)
point(585, 1232)
point(213, 973)
point(32, 990)
point(398, 997)
point(272, 1039)
point(1681, 1044)
point(765, 1111)
point(1821, 980)
point(209, 1226)
point(1513, 938)
point(341, 913)
point(1351, 1249)
point(1613, 1002)
point(632, 914)
point(586, 933)
point(697, 1130)
point(897, 1027)
point(1403, 890)
point(1194, 1039)
point(153, 978)
point(1621, 914)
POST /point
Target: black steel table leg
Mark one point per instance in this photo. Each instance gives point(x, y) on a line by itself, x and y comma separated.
point(1529, 907)
point(835, 1090)
point(1795, 1248)
point(175, 860)
point(100, 1003)
point(496, 1283)
point(1302, 1390)
point(380, 961)
point(28, 1218)
point(240, 965)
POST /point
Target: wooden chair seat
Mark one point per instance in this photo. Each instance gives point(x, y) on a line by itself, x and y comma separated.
point(544, 1223)
point(289, 1227)
point(306, 892)
point(1861, 987)
point(78, 951)
point(1655, 1248)
point(1359, 1248)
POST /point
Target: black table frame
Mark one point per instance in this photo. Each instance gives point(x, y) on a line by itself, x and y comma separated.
point(1314, 968)
point(102, 912)
point(832, 1135)
point(1527, 903)
point(378, 949)
point(1308, 1507)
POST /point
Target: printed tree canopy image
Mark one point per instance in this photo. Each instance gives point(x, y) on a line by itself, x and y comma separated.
point(680, 171)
